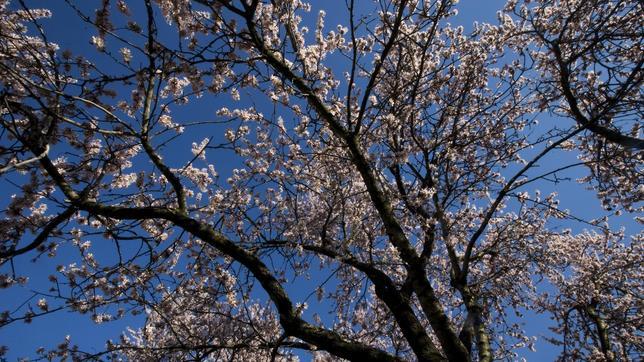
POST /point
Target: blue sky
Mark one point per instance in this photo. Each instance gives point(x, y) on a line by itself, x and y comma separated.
point(67, 30)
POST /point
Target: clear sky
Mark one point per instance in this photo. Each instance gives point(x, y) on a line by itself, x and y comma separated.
point(66, 29)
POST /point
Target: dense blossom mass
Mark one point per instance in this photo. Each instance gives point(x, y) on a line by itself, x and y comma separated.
point(261, 181)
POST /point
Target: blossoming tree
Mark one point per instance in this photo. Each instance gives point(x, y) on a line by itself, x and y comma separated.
point(219, 166)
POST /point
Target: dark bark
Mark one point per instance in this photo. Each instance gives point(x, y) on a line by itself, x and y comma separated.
point(591, 124)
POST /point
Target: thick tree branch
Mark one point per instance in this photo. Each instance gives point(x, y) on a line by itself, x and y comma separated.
point(591, 124)
point(399, 306)
point(147, 114)
point(43, 235)
point(602, 331)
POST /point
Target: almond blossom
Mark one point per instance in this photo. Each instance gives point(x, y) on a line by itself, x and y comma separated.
point(255, 182)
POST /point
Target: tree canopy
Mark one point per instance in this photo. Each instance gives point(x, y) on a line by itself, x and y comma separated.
point(260, 184)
